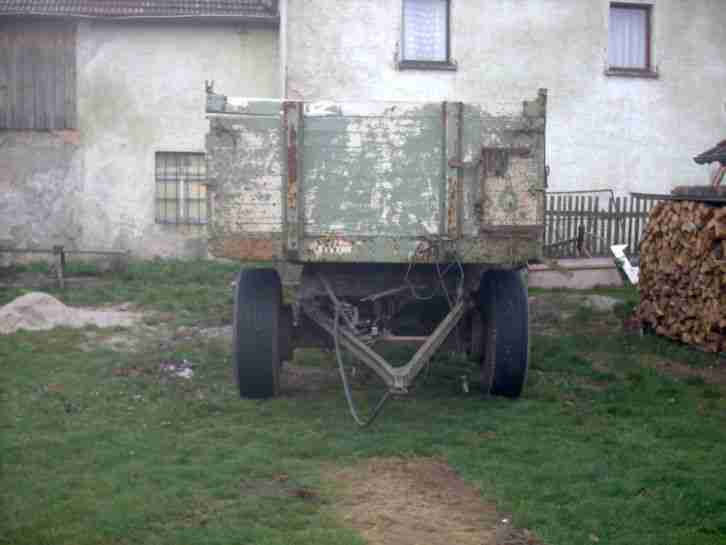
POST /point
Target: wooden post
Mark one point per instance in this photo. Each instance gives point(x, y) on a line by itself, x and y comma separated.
point(617, 217)
point(60, 265)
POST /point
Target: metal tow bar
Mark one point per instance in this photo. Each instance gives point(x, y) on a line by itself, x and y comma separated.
point(398, 379)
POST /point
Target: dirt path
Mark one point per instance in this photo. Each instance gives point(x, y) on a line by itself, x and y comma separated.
point(710, 375)
point(394, 501)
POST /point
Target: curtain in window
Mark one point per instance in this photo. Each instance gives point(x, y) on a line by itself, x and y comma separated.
point(628, 35)
point(424, 30)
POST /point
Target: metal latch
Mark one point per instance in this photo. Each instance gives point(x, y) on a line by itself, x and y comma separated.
point(495, 159)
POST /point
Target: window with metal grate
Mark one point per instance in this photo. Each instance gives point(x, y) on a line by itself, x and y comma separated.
point(181, 190)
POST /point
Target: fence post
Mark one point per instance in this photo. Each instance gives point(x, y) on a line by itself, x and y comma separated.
point(60, 264)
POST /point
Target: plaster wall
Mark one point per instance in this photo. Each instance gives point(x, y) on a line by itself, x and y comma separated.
point(626, 134)
point(40, 185)
point(140, 89)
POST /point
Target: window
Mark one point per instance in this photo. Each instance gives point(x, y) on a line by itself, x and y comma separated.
point(629, 39)
point(181, 191)
point(425, 35)
point(37, 74)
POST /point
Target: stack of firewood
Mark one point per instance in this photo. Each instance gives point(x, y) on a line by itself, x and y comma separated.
point(683, 273)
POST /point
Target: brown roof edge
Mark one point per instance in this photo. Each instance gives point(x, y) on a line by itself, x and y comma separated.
point(256, 10)
point(268, 20)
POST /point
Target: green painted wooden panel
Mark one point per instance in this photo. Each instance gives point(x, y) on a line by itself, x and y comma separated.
point(245, 167)
point(373, 174)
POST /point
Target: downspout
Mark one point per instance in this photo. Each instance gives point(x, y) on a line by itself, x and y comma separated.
point(282, 44)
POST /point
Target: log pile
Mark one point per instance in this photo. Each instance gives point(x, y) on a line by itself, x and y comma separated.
point(683, 273)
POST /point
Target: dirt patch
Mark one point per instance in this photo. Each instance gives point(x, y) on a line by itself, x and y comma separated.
point(277, 487)
point(300, 379)
point(39, 311)
point(547, 313)
point(715, 375)
point(416, 501)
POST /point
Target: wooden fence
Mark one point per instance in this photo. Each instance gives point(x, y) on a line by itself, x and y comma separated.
point(582, 225)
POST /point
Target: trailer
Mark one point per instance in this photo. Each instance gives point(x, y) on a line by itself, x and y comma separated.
point(360, 209)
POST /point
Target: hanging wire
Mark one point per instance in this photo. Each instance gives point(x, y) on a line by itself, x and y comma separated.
point(344, 377)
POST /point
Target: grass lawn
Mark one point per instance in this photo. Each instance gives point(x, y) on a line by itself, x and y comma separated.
point(608, 444)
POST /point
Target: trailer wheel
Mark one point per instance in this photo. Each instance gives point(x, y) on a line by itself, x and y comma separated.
point(504, 310)
point(256, 349)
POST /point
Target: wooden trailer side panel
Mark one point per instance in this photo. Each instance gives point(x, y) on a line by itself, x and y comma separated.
point(246, 170)
point(372, 170)
point(376, 182)
point(504, 184)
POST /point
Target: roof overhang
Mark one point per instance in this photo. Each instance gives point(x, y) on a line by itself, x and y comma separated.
point(716, 154)
point(272, 21)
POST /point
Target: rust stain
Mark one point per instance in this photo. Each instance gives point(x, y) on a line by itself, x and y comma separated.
point(247, 249)
point(330, 245)
point(451, 206)
point(425, 252)
point(292, 173)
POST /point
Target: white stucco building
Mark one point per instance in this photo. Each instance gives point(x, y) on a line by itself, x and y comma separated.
point(102, 117)
point(636, 128)
point(635, 90)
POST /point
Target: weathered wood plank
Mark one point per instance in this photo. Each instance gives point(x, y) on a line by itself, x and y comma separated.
point(597, 227)
point(35, 60)
point(14, 79)
point(570, 218)
point(39, 53)
point(5, 81)
point(354, 170)
point(59, 85)
point(454, 176)
point(638, 233)
point(550, 221)
point(69, 61)
point(243, 106)
point(617, 222)
point(630, 203)
point(379, 110)
point(27, 93)
point(588, 227)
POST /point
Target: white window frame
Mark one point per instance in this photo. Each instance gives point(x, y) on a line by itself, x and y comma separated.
point(425, 64)
point(641, 71)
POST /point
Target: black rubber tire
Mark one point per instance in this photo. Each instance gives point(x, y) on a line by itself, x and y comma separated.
point(504, 310)
point(256, 348)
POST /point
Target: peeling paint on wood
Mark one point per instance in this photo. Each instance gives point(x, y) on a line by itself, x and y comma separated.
point(378, 182)
point(247, 249)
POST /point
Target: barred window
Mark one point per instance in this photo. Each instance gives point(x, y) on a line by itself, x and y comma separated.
point(181, 190)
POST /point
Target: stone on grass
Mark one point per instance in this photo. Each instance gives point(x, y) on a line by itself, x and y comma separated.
point(601, 303)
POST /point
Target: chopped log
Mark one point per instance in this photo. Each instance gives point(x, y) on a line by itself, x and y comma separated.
point(683, 273)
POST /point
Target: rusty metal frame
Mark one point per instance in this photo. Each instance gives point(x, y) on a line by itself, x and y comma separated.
point(398, 379)
point(292, 126)
point(453, 113)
